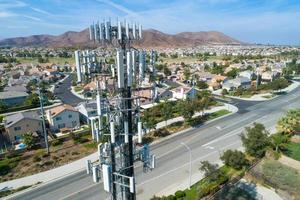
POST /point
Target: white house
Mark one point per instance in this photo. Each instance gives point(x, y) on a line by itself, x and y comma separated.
point(239, 82)
point(64, 116)
point(184, 92)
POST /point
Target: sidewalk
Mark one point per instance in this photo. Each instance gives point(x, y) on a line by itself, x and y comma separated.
point(261, 97)
point(226, 106)
point(258, 191)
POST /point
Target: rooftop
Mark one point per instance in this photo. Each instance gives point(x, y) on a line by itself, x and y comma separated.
point(12, 94)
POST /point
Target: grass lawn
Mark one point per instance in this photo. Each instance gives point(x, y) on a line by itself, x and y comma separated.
point(56, 60)
point(293, 150)
point(218, 114)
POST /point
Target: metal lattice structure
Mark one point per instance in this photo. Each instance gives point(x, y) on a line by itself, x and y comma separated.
point(118, 111)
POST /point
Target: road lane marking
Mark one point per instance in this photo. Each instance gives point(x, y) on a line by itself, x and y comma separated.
point(74, 193)
point(175, 169)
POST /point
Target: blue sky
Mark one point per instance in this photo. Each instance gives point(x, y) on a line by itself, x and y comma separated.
point(260, 21)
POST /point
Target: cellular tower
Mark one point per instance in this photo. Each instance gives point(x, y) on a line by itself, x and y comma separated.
point(118, 110)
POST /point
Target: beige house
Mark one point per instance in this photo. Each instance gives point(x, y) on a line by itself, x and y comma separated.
point(63, 117)
point(17, 125)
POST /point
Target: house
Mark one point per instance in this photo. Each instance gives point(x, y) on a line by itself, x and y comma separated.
point(64, 116)
point(163, 94)
point(239, 82)
point(87, 110)
point(216, 82)
point(11, 98)
point(17, 88)
point(269, 76)
point(20, 123)
point(248, 74)
point(184, 92)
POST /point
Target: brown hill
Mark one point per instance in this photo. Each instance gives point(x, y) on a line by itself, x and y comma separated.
point(152, 38)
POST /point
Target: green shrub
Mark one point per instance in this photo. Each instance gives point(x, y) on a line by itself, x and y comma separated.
point(41, 153)
point(171, 197)
point(4, 168)
point(179, 194)
point(56, 142)
point(80, 140)
point(234, 158)
point(36, 158)
point(161, 133)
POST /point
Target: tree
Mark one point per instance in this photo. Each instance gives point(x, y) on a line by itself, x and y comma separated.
point(29, 140)
point(3, 105)
point(187, 73)
point(234, 158)
point(32, 99)
point(211, 171)
point(202, 85)
point(279, 141)
point(256, 140)
point(187, 110)
point(232, 73)
point(149, 120)
point(224, 92)
point(167, 71)
point(279, 84)
point(289, 123)
point(167, 111)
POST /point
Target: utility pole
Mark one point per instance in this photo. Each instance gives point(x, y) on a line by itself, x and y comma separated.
point(43, 120)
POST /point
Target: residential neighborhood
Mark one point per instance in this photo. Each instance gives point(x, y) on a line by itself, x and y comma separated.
point(149, 100)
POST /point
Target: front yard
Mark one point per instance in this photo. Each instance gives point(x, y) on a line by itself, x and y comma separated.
point(62, 151)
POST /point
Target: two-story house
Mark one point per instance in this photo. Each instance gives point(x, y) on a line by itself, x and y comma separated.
point(18, 124)
point(64, 116)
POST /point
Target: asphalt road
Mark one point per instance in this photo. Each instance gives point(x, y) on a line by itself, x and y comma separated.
point(207, 143)
point(63, 92)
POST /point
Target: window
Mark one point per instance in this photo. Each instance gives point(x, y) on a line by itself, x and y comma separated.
point(70, 116)
point(61, 126)
point(58, 118)
point(17, 128)
point(74, 123)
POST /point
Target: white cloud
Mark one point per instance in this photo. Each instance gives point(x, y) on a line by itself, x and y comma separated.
point(4, 14)
point(40, 11)
point(33, 18)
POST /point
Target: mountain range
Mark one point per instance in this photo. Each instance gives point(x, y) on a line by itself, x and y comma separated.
point(151, 39)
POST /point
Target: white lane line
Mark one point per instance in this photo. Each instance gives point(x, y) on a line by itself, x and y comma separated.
point(177, 168)
point(74, 193)
point(231, 133)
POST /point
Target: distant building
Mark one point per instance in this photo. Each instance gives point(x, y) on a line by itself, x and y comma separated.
point(164, 94)
point(64, 116)
point(239, 82)
point(11, 98)
point(17, 125)
point(248, 74)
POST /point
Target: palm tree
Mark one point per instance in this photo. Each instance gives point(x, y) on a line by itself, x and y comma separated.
point(279, 141)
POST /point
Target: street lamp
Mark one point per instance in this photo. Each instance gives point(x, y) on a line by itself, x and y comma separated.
point(190, 152)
